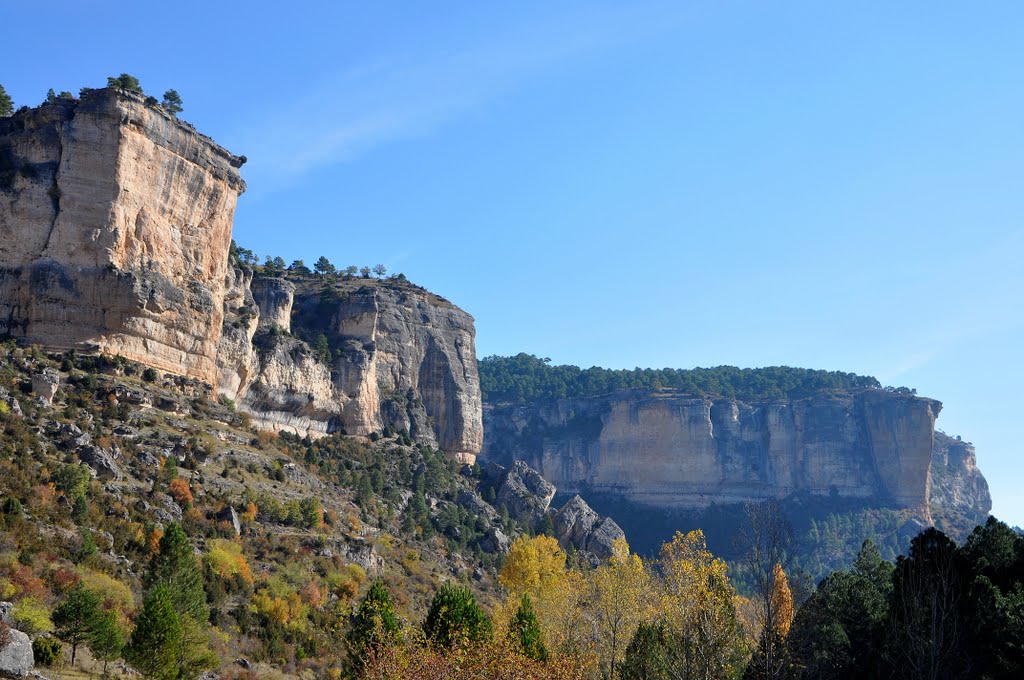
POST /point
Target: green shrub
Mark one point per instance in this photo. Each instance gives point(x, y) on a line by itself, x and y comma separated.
point(47, 651)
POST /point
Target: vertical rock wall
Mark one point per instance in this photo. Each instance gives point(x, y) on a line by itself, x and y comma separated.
point(115, 224)
point(399, 356)
point(676, 451)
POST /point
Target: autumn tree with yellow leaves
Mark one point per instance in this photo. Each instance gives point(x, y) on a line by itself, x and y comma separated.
point(619, 598)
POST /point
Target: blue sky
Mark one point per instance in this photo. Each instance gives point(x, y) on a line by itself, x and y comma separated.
point(831, 185)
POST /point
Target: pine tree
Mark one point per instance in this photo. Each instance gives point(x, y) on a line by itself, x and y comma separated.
point(454, 617)
point(526, 630)
point(76, 616)
point(323, 266)
point(175, 567)
point(155, 643)
point(106, 641)
point(374, 625)
point(6, 103)
point(172, 102)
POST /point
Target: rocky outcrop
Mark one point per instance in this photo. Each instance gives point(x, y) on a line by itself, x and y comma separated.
point(579, 526)
point(115, 223)
point(395, 355)
point(673, 450)
point(521, 489)
point(957, 485)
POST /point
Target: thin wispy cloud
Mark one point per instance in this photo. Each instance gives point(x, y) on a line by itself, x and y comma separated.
point(980, 297)
point(364, 106)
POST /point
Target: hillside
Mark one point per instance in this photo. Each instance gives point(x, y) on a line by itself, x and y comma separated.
point(100, 455)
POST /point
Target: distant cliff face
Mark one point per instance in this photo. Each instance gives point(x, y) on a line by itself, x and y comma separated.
point(671, 450)
point(115, 222)
point(398, 356)
point(115, 230)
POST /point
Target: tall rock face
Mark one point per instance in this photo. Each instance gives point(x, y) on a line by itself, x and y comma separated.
point(115, 233)
point(316, 357)
point(115, 224)
point(672, 450)
point(958, 487)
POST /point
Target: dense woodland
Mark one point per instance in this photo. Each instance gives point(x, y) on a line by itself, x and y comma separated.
point(524, 378)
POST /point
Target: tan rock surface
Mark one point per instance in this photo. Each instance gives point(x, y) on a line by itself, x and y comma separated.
point(114, 232)
point(672, 450)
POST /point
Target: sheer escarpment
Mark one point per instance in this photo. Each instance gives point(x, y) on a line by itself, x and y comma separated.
point(115, 223)
point(317, 356)
point(673, 450)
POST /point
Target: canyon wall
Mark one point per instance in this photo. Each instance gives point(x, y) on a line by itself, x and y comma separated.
point(116, 222)
point(672, 450)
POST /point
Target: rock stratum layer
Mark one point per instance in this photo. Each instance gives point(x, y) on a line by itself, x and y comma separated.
point(116, 223)
point(672, 450)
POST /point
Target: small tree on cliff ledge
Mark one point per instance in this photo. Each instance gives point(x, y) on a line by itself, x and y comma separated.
point(6, 103)
point(172, 102)
point(125, 81)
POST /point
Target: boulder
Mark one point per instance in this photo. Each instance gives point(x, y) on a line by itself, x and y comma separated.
point(16, 658)
point(45, 384)
point(475, 504)
point(12, 404)
point(100, 462)
point(228, 514)
point(602, 537)
point(495, 541)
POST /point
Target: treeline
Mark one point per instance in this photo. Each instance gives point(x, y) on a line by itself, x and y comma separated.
point(171, 101)
point(525, 378)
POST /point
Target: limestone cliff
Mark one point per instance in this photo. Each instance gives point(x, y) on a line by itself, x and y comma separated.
point(958, 487)
point(397, 355)
point(115, 223)
point(672, 450)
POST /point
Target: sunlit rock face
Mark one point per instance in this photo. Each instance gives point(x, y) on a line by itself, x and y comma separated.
point(673, 450)
point(115, 224)
point(400, 356)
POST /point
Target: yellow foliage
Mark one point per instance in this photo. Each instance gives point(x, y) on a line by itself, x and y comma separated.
point(781, 602)
point(536, 567)
point(32, 616)
point(698, 600)
point(620, 598)
point(289, 611)
point(532, 566)
point(114, 594)
point(226, 560)
point(250, 512)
